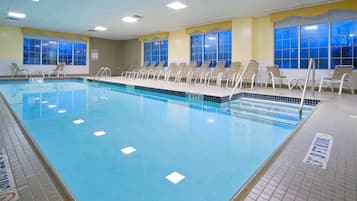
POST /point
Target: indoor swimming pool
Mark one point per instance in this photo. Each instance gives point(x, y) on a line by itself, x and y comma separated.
point(112, 142)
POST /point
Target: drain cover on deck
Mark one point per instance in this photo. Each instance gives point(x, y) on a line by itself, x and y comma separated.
point(319, 151)
point(8, 190)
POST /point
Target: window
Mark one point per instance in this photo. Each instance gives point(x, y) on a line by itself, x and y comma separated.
point(225, 47)
point(52, 52)
point(212, 47)
point(32, 51)
point(156, 51)
point(196, 48)
point(344, 43)
point(286, 47)
point(164, 51)
point(293, 46)
point(80, 53)
point(65, 52)
point(314, 44)
point(147, 52)
point(49, 52)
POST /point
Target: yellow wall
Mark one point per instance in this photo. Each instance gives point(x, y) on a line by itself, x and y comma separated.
point(251, 38)
point(263, 39)
point(11, 43)
point(242, 39)
point(179, 46)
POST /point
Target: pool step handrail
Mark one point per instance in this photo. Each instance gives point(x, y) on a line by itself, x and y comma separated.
point(103, 72)
point(241, 75)
point(312, 67)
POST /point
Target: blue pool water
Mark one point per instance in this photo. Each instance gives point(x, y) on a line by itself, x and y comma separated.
point(216, 152)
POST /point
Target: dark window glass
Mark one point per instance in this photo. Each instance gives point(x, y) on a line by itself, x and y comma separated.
point(80, 53)
point(65, 52)
point(197, 48)
point(286, 44)
point(343, 42)
point(49, 52)
point(31, 51)
point(210, 48)
point(313, 37)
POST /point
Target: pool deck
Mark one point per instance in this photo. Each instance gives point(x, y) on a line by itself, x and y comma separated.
point(283, 177)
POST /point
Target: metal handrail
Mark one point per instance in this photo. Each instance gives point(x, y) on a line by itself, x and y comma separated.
point(103, 71)
point(240, 79)
point(307, 78)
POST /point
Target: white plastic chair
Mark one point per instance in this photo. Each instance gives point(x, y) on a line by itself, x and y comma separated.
point(16, 69)
point(341, 74)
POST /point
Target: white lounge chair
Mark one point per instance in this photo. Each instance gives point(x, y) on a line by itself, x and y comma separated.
point(186, 73)
point(275, 75)
point(201, 73)
point(164, 73)
point(142, 72)
point(134, 73)
point(217, 71)
point(16, 69)
point(153, 73)
point(130, 68)
point(341, 74)
point(249, 75)
point(230, 76)
point(179, 69)
point(57, 71)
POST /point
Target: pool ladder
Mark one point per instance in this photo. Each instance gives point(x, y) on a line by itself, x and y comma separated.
point(103, 72)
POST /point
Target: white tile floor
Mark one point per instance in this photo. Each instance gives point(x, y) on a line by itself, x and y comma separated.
point(284, 177)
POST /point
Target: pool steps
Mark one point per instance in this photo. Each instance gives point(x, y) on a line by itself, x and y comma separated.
point(287, 113)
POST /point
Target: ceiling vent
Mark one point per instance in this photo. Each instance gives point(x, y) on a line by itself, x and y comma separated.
point(91, 30)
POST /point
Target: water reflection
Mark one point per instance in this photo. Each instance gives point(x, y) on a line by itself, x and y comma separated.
point(50, 104)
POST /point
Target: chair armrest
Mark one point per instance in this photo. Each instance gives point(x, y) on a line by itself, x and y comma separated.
point(343, 76)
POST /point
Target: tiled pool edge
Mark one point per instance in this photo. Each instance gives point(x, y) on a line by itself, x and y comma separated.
point(243, 192)
point(215, 99)
point(65, 193)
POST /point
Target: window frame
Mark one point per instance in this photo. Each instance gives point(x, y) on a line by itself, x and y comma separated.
point(330, 56)
point(85, 61)
point(217, 48)
point(161, 53)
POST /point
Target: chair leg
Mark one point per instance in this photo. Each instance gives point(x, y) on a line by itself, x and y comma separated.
point(273, 82)
point(288, 83)
point(320, 87)
point(340, 89)
point(252, 84)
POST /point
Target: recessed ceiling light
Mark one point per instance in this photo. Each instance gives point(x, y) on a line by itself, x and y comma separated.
point(176, 5)
point(99, 28)
point(36, 1)
point(16, 15)
point(51, 106)
point(130, 19)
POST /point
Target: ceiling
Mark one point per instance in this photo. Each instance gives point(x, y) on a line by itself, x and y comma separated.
point(78, 16)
